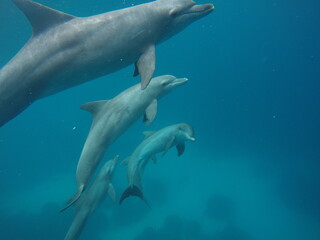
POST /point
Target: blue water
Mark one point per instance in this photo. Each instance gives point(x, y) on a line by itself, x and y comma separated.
point(253, 99)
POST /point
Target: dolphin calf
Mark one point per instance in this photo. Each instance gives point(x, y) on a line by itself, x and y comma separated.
point(65, 51)
point(92, 198)
point(154, 142)
point(113, 117)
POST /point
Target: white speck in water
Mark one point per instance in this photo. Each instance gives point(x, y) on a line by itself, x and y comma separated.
point(74, 128)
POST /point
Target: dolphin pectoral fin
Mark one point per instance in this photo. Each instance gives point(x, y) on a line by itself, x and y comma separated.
point(73, 199)
point(151, 111)
point(41, 17)
point(146, 65)
point(136, 70)
point(180, 147)
point(131, 191)
point(94, 107)
point(112, 192)
point(168, 145)
point(144, 119)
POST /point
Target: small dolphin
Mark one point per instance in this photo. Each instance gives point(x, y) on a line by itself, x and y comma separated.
point(113, 117)
point(65, 51)
point(92, 198)
point(154, 142)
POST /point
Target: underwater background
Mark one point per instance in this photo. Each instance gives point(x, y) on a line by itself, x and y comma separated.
point(253, 99)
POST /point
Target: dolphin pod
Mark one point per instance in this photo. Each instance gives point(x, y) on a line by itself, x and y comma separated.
point(65, 51)
point(113, 117)
point(154, 142)
point(92, 198)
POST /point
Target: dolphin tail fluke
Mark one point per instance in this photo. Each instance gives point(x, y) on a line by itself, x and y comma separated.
point(73, 199)
point(133, 191)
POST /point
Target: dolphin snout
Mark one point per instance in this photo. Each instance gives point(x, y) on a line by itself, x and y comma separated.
point(202, 10)
point(180, 81)
point(191, 138)
point(208, 6)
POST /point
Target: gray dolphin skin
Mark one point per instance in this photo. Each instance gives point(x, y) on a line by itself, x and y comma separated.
point(113, 117)
point(154, 142)
point(65, 51)
point(92, 198)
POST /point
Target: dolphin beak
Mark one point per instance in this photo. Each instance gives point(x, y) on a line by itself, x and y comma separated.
point(201, 10)
point(191, 138)
point(179, 81)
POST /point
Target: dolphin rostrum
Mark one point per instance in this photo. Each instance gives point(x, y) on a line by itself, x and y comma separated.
point(154, 142)
point(65, 51)
point(113, 117)
point(92, 198)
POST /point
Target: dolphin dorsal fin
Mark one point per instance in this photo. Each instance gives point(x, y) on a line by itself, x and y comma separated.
point(41, 17)
point(94, 107)
point(148, 134)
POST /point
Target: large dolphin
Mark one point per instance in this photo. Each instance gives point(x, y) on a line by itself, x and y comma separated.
point(154, 142)
point(92, 198)
point(113, 117)
point(65, 51)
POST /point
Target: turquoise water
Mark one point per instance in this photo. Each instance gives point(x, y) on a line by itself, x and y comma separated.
point(253, 100)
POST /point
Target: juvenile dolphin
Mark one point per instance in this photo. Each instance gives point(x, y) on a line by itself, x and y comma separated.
point(65, 51)
point(113, 117)
point(154, 142)
point(92, 198)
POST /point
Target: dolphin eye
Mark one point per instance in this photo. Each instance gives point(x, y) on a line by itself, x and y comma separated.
point(165, 83)
point(173, 13)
